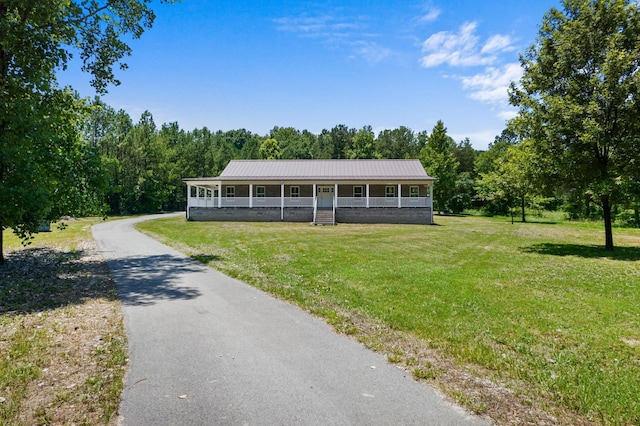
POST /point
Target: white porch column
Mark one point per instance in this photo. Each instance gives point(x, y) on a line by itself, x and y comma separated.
point(282, 201)
point(250, 195)
point(335, 196)
point(399, 195)
point(367, 195)
point(188, 200)
point(431, 201)
point(220, 196)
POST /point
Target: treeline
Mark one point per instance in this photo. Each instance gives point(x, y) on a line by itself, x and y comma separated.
point(145, 164)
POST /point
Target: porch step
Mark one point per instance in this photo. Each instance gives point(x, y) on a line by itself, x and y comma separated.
point(324, 217)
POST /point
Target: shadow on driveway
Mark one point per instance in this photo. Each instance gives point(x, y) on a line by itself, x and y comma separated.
point(147, 280)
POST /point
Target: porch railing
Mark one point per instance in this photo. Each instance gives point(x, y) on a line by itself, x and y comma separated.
point(289, 202)
point(256, 202)
point(391, 202)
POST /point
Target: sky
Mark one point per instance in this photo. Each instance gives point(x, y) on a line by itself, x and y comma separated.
point(313, 65)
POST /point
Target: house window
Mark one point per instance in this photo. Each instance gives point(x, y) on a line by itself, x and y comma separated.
point(294, 191)
point(231, 192)
point(260, 191)
point(390, 191)
point(357, 192)
point(414, 192)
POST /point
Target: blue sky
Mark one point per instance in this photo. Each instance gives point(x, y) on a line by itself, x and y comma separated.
point(313, 65)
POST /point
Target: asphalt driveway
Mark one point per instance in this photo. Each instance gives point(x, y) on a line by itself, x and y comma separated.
point(206, 349)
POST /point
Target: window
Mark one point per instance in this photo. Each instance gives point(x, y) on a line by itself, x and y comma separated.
point(260, 191)
point(231, 192)
point(414, 192)
point(294, 191)
point(390, 191)
point(357, 192)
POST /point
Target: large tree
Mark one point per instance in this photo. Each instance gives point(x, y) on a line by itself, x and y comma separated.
point(43, 162)
point(438, 158)
point(579, 97)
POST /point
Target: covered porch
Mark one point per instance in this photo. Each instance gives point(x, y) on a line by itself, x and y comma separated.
point(304, 201)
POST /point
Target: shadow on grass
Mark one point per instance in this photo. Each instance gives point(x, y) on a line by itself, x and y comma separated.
point(586, 251)
point(205, 258)
point(541, 222)
point(41, 279)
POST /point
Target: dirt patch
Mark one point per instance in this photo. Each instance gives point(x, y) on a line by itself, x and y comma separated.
point(63, 309)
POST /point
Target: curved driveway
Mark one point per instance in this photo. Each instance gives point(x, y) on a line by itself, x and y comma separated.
point(205, 349)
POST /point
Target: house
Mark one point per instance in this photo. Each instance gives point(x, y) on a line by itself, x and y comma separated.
point(316, 191)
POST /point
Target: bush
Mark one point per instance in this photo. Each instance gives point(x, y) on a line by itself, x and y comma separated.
point(628, 219)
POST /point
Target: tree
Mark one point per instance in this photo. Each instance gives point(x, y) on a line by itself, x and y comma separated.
point(466, 156)
point(579, 98)
point(105, 130)
point(396, 143)
point(334, 143)
point(439, 161)
point(513, 179)
point(270, 150)
point(485, 160)
point(43, 162)
point(362, 144)
point(292, 145)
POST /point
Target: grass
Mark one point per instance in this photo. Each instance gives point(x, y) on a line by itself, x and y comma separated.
point(62, 341)
point(538, 309)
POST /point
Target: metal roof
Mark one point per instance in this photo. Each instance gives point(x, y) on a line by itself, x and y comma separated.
point(240, 170)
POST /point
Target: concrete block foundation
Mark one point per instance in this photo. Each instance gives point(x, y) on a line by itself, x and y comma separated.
point(416, 215)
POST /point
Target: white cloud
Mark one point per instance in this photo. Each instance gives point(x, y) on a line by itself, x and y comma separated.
point(462, 48)
point(315, 26)
point(491, 85)
point(430, 15)
point(373, 53)
point(347, 32)
point(507, 114)
point(497, 43)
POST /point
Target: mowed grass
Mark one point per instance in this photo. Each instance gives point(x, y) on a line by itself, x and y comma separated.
point(539, 307)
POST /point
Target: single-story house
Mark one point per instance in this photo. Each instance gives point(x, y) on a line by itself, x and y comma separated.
point(316, 191)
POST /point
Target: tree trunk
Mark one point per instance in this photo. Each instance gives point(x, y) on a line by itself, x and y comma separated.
point(522, 204)
point(606, 211)
point(1, 245)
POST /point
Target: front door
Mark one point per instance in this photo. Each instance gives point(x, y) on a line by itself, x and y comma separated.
point(325, 197)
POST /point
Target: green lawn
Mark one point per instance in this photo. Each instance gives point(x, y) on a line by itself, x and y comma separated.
point(537, 307)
